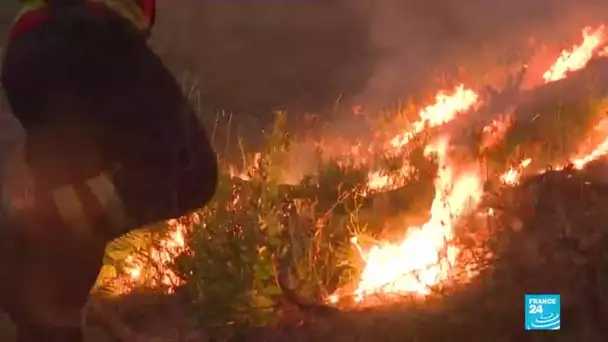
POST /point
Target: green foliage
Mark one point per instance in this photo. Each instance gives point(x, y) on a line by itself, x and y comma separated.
point(258, 230)
point(337, 185)
point(230, 273)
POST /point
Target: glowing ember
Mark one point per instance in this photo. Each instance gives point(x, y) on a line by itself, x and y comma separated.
point(155, 266)
point(578, 56)
point(235, 173)
point(512, 176)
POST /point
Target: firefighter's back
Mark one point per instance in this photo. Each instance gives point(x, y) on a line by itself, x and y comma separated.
point(111, 145)
point(94, 99)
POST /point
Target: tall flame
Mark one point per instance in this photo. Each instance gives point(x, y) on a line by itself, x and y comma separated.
point(445, 109)
point(447, 106)
point(425, 257)
point(578, 56)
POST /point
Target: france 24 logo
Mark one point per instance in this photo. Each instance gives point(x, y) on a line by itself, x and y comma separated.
point(542, 311)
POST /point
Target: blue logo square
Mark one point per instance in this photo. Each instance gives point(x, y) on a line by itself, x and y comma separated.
point(542, 311)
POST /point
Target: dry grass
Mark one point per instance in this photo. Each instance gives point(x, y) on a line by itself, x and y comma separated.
point(532, 254)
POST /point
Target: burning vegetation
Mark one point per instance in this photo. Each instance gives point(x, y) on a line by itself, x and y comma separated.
point(419, 214)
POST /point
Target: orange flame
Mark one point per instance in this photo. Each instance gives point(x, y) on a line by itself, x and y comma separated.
point(155, 265)
point(597, 152)
point(424, 258)
point(416, 263)
point(578, 56)
point(495, 131)
point(445, 109)
point(512, 176)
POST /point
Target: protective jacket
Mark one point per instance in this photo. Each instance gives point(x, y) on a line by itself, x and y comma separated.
point(111, 144)
point(99, 108)
point(141, 13)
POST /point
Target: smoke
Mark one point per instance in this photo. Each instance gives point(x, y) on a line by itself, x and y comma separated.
point(420, 41)
point(423, 39)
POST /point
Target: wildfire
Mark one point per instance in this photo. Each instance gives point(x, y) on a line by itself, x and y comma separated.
point(586, 155)
point(512, 176)
point(495, 131)
point(426, 256)
point(445, 109)
point(382, 180)
point(577, 57)
point(154, 266)
point(597, 152)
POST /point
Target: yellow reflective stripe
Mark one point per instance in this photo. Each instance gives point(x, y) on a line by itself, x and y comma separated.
point(70, 208)
point(30, 5)
point(109, 199)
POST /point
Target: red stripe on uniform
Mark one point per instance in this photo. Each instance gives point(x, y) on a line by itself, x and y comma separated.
point(148, 8)
point(31, 20)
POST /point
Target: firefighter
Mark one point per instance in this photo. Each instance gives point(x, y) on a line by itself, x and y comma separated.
point(111, 145)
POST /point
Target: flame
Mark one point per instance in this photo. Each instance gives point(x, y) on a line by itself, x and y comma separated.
point(382, 180)
point(446, 107)
point(595, 153)
point(570, 60)
point(235, 173)
point(416, 264)
point(580, 160)
point(495, 131)
point(578, 56)
point(425, 257)
point(154, 266)
point(512, 176)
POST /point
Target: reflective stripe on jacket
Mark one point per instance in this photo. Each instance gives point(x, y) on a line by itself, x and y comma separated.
point(140, 13)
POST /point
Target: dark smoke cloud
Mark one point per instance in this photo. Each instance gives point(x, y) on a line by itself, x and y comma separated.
point(421, 37)
point(256, 56)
